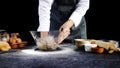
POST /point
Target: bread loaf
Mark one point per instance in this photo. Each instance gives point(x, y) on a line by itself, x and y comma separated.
point(4, 46)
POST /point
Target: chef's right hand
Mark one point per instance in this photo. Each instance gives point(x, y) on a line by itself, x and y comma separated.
point(43, 34)
point(47, 39)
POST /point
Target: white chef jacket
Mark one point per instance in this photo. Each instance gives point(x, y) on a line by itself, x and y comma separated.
point(44, 13)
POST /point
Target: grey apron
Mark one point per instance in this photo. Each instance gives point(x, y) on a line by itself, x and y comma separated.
point(59, 15)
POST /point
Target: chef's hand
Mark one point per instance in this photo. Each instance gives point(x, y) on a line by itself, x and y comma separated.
point(47, 39)
point(43, 34)
point(64, 31)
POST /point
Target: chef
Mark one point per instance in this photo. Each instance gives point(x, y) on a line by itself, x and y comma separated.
point(66, 16)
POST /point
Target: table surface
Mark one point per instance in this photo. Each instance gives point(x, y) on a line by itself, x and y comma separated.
point(66, 56)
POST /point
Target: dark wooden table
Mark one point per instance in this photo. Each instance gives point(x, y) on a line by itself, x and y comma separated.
point(66, 56)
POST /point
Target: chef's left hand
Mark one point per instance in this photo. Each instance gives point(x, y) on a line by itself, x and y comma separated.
point(64, 30)
point(63, 34)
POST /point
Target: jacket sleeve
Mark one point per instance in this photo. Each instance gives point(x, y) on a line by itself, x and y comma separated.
point(44, 14)
point(79, 12)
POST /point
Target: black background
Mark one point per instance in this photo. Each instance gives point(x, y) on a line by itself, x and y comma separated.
point(21, 16)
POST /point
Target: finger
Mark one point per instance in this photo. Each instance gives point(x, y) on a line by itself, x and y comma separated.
point(66, 30)
point(60, 37)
